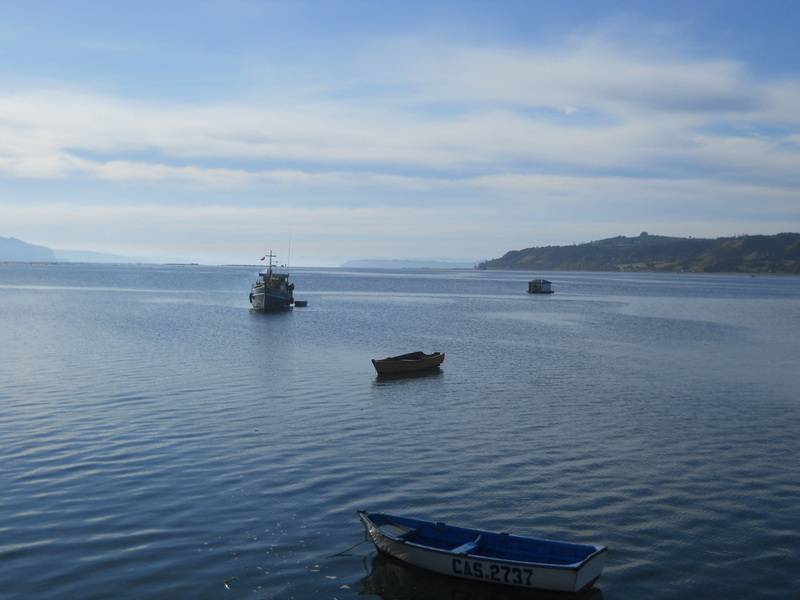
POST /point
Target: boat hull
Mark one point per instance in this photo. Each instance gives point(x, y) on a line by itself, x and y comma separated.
point(466, 562)
point(408, 363)
point(270, 299)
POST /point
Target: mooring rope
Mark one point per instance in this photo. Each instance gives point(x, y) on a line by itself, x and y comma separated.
point(348, 549)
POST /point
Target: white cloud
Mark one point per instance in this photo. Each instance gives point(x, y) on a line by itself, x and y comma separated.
point(467, 145)
point(615, 111)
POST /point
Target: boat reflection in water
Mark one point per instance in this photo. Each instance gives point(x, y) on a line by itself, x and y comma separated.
point(392, 579)
point(382, 378)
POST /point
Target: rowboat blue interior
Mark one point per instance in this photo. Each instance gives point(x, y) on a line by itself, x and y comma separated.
point(462, 540)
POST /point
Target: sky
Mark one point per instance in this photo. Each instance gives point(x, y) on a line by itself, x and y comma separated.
point(216, 131)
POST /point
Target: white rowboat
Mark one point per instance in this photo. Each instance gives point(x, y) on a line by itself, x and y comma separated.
point(485, 556)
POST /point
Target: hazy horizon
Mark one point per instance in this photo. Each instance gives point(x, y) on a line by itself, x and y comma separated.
point(215, 132)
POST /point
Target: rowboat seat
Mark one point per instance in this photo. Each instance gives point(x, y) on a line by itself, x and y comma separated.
point(468, 547)
point(406, 535)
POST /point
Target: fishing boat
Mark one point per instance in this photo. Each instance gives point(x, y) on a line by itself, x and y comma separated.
point(474, 554)
point(273, 290)
point(408, 363)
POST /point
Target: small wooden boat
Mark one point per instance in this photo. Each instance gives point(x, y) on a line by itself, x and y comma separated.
point(408, 363)
point(484, 556)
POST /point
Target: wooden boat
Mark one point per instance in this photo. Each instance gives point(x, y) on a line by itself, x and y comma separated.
point(408, 363)
point(484, 556)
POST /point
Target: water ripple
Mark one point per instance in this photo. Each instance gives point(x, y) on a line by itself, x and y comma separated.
point(170, 450)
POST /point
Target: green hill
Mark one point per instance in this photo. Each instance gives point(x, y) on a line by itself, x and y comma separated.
point(742, 254)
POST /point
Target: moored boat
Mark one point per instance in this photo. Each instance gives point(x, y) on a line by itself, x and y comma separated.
point(540, 286)
point(273, 290)
point(486, 556)
point(408, 363)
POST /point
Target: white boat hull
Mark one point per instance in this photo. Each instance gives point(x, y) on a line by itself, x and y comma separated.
point(562, 578)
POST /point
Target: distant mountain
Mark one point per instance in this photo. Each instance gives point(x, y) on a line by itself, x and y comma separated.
point(742, 254)
point(14, 250)
point(407, 264)
point(87, 256)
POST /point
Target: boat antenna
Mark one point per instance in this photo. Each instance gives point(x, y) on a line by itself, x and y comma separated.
point(270, 256)
point(289, 254)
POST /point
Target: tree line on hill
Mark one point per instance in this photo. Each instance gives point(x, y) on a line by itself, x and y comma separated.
point(778, 253)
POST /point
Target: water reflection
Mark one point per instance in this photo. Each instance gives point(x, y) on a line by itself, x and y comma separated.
point(390, 377)
point(392, 579)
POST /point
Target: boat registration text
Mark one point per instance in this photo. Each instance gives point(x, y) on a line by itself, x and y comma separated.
point(496, 573)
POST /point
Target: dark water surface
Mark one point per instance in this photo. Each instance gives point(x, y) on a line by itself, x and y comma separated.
point(160, 440)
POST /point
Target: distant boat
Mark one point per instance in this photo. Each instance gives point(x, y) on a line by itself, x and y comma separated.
point(408, 363)
point(540, 286)
point(484, 556)
point(273, 291)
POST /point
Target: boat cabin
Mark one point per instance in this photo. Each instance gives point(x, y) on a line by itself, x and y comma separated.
point(540, 286)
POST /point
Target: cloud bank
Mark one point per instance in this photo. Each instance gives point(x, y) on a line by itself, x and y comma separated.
point(467, 149)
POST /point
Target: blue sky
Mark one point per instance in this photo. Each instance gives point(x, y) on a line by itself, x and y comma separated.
point(214, 131)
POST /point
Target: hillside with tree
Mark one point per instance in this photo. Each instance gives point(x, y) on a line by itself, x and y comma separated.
point(655, 253)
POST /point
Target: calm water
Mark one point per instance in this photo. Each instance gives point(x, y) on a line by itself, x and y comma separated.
point(160, 440)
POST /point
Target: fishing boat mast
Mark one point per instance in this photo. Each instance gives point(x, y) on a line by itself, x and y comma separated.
point(271, 256)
